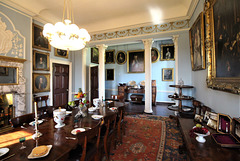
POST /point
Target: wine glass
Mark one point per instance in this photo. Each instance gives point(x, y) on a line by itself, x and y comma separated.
point(22, 140)
point(75, 123)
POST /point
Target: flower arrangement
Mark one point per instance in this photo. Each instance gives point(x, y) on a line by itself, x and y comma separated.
point(81, 96)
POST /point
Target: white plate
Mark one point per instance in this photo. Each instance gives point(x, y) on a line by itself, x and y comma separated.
point(186, 109)
point(91, 109)
point(113, 108)
point(3, 151)
point(30, 156)
point(32, 123)
point(97, 117)
point(74, 131)
point(68, 112)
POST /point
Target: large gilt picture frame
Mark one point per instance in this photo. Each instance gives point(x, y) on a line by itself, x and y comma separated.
point(61, 53)
point(41, 82)
point(110, 57)
point(136, 61)
point(223, 45)
point(41, 60)
point(197, 47)
point(38, 40)
point(167, 52)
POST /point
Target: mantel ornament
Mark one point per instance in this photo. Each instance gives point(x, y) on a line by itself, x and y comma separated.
point(222, 45)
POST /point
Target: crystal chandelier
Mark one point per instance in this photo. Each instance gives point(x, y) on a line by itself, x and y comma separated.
point(64, 35)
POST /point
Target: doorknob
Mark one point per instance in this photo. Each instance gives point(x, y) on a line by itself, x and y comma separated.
point(66, 89)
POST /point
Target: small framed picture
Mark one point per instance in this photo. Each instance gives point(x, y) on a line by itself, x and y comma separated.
point(94, 55)
point(167, 52)
point(167, 74)
point(41, 82)
point(61, 53)
point(155, 55)
point(39, 41)
point(109, 57)
point(212, 123)
point(40, 60)
point(121, 57)
point(136, 61)
point(210, 115)
point(110, 74)
point(198, 118)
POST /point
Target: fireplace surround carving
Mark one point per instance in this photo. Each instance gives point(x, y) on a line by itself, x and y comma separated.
point(18, 90)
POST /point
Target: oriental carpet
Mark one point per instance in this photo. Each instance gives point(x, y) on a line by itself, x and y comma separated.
point(149, 138)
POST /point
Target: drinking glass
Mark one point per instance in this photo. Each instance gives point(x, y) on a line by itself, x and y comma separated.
point(22, 140)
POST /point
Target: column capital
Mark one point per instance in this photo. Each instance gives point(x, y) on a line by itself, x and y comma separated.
point(101, 46)
point(175, 38)
point(147, 42)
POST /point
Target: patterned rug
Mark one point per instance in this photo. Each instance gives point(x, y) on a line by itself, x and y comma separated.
point(149, 138)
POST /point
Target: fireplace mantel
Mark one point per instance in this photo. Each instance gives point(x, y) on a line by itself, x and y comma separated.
point(18, 90)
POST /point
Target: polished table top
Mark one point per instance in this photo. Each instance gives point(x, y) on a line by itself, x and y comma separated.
point(51, 136)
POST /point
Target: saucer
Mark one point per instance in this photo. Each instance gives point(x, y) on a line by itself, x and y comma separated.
point(74, 131)
point(91, 109)
point(113, 108)
point(3, 151)
point(68, 112)
point(97, 117)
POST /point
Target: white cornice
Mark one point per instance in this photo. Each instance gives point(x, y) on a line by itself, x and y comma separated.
point(192, 8)
point(19, 8)
point(139, 25)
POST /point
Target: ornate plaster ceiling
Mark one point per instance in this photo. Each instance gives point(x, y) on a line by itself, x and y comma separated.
point(104, 15)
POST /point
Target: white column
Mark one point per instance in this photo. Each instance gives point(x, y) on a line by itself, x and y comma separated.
point(175, 41)
point(101, 71)
point(84, 69)
point(148, 75)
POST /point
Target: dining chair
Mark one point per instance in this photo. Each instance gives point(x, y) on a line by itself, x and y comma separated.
point(109, 137)
point(20, 120)
point(120, 123)
point(120, 98)
point(88, 142)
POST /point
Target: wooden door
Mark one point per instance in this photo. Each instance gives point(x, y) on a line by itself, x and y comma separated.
point(94, 83)
point(60, 84)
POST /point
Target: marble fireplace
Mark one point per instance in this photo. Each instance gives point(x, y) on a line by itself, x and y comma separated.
point(18, 90)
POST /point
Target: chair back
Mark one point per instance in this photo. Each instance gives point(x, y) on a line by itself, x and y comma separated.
point(121, 112)
point(87, 136)
point(20, 120)
point(197, 105)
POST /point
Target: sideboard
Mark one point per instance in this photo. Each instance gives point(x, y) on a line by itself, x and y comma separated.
point(125, 90)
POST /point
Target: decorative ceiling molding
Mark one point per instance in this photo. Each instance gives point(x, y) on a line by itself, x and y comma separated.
point(170, 26)
point(192, 8)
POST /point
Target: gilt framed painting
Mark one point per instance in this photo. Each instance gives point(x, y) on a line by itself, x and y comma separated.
point(197, 46)
point(39, 41)
point(136, 61)
point(41, 82)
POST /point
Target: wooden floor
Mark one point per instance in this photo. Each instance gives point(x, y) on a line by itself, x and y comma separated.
point(160, 109)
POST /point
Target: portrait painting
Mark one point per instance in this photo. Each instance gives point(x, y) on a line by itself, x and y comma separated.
point(109, 74)
point(155, 55)
point(3, 71)
point(167, 52)
point(61, 53)
point(40, 60)
point(41, 82)
point(167, 74)
point(39, 41)
point(121, 57)
point(135, 62)
point(223, 26)
point(94, 55)
point(109, 57)
point(197, 47)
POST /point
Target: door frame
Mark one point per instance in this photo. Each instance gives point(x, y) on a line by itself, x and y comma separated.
point(51, 79)
point(89, 78)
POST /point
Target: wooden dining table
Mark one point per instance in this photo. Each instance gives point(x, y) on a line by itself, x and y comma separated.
point(50, 135)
